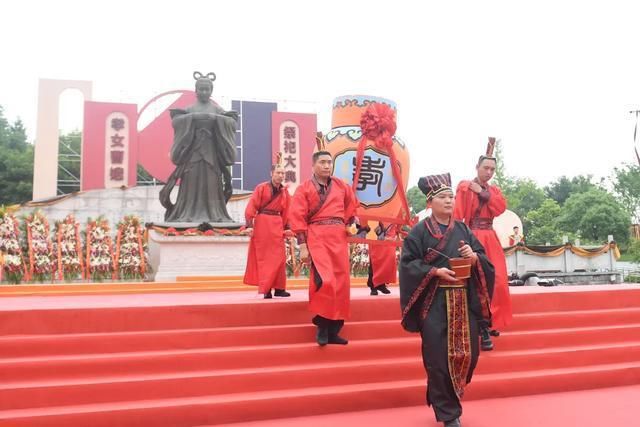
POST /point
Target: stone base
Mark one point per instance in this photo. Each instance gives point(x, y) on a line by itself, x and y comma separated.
point(183, 256)
point(114, 203)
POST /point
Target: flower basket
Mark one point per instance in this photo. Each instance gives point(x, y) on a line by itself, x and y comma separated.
point(12, 265)
point(69, 250)
point(130, 249)
point(100, 261)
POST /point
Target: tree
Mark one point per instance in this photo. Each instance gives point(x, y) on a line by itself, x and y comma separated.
point(564, 187)
point(145, 178)
point(16, 162)
point(416, 199)
point(523, 196)
point(16, 175)
point(500, 177)
point(17, 136)
point(4, 127)
point(626, 184)
point(594, 215)
point(543, 224)
point(634, 250)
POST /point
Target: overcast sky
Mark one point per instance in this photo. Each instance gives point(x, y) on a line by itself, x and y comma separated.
point(555, 80)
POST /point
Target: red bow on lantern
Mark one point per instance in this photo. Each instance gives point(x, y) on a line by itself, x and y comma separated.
point(378, 124)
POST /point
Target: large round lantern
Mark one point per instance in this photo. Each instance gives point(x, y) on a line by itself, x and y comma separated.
point(377, 189)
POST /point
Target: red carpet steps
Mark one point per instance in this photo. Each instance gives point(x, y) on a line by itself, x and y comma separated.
point(585, 408)
point(190, 359)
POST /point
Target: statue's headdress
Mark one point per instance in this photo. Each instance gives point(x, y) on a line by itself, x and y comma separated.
point(210, 77)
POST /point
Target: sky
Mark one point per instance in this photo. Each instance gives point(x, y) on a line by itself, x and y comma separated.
point(554, 80)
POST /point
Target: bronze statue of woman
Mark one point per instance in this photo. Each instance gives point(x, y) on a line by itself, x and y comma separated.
point(203, 149)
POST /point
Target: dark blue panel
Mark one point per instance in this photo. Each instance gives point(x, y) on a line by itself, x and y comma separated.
point(256, 138)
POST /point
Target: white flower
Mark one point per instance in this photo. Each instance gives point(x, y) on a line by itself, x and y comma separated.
point(12, 260)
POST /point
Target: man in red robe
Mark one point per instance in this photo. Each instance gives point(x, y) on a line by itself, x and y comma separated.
point(383, 267)
point(321, 209)
point(266, 218)
point(477, 204)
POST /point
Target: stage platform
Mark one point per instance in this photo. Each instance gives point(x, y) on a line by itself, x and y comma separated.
point(200, 358)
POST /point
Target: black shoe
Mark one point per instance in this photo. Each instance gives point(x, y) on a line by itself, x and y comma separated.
point(485, 341)
point(453, 423)
point(494, 333)
point(374, 291)
point(383, 289)
point(267, 295)
point(322, 336)
point(337, 339)
point(281, 293)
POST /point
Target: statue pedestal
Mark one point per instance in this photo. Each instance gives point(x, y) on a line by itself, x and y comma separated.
point(182, 256)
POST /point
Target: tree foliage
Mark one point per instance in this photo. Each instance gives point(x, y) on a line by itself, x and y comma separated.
point(416, 199)
point(573, 206)
point(523, 196)
point(16, 162)
point(626, 184)
point(634, 250)
point(561, 189)
point(500, 178)
point(594, 215)
point(543, 224)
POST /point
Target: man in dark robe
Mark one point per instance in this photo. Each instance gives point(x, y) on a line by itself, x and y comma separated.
point(446, 310)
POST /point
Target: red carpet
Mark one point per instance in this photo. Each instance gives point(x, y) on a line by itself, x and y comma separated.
point(589, 408)
point(187, 359)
